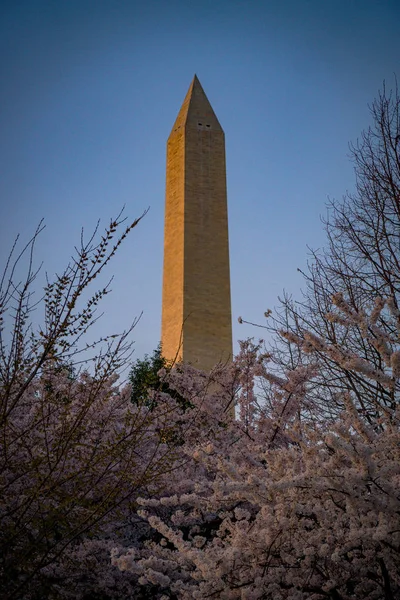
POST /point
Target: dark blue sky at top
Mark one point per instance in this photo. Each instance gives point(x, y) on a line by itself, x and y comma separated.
point(90, 91)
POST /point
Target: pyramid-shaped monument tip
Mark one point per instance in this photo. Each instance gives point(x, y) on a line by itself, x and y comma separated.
point(196, 84)
point(196, 108)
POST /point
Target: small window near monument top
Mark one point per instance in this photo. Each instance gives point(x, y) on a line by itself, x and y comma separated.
point(201, 124)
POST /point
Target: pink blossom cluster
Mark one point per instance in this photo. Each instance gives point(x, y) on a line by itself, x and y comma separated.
point(281, 504)
point(75, 454)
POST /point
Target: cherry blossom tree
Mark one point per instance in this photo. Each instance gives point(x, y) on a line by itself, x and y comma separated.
point(361, 260)
point(285, 507)
point(75, 450)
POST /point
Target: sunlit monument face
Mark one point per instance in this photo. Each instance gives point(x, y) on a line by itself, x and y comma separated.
point(196, 311)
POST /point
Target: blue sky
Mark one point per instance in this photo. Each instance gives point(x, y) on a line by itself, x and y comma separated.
point(90, 91)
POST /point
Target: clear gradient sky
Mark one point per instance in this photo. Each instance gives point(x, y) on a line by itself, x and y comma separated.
point(90, 91)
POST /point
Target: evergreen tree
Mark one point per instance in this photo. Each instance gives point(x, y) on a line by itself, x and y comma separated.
point(144, 375)
point(145, 378)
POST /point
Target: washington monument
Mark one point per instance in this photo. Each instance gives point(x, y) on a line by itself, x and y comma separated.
point(196, 306)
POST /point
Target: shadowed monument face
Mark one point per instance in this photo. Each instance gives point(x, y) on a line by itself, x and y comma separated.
point(196, 308)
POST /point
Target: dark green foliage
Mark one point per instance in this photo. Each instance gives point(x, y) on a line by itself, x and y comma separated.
point(144, 378)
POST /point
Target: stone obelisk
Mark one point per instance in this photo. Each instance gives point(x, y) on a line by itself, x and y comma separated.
point(196, 306)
